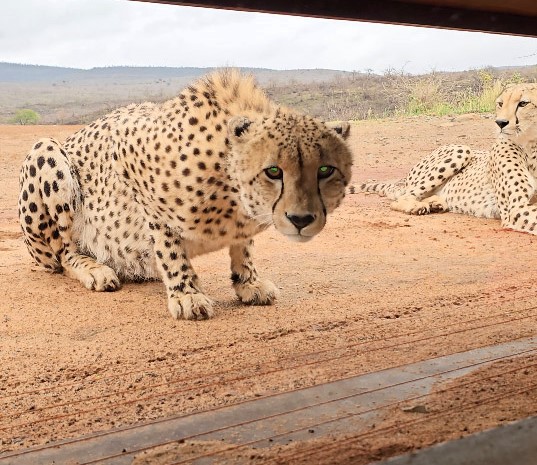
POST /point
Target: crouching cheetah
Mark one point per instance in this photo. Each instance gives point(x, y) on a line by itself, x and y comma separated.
point(138, 193)
point(496, 184)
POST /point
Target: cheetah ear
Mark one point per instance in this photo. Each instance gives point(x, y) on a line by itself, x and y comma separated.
point(238, 127)
point(343, 128)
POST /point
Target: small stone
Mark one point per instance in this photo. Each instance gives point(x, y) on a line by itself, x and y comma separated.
point(416, 409)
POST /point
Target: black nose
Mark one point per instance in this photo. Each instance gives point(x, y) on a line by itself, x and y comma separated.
point(502, 123)
point(300, 221)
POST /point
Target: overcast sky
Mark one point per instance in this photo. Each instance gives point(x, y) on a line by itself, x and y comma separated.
point(94, 33)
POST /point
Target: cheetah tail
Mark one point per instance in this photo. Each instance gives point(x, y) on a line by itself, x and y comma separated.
point(390, 190)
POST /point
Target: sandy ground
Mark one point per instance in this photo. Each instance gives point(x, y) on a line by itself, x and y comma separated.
point(74, 362)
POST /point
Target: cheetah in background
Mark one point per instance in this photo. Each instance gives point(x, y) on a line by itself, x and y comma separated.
point(138, 193)
point(496, 184)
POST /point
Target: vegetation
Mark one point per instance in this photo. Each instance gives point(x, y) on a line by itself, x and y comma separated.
point(25, 116)
point(68, 96)
point(365, 96)
point(433, 95)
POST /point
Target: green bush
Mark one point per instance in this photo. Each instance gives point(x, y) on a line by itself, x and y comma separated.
point(25, 116)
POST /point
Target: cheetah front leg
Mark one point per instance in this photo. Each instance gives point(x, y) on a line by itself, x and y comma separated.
point(185, 296)
point(248, 287)
point(514, 186)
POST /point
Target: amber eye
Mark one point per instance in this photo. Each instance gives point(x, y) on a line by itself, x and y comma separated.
point(523, 103)
point(274, 172)
point(500, 104)
point(325, 172)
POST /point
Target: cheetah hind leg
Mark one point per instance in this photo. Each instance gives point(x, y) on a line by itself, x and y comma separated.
point(434, 170)
point(49, 193)
point(412, 206)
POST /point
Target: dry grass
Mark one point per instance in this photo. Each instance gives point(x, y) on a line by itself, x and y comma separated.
point(327, 95)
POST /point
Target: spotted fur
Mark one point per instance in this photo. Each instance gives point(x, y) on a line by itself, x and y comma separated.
point(138, 193)
point(497, 184)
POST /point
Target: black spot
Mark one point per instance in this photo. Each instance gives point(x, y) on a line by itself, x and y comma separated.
point(33, 171)
point(32, 207)
point(46, 188)
point(40, 162)
point(51, 162)
point(193, 120)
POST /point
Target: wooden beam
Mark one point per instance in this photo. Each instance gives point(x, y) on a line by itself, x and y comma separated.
point(517, 17)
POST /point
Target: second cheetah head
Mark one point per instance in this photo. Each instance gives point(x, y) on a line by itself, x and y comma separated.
point(516, 109)
point(292, 170)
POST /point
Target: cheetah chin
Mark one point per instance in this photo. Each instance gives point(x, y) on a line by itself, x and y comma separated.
point(138, 193)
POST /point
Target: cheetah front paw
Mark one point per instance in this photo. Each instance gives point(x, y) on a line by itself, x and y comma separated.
point(105, 279)
point(260, 292)
point(98, 277)
point(190, 307)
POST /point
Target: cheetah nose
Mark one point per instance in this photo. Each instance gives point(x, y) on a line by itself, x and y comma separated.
point(300, 221)
point(502, 123)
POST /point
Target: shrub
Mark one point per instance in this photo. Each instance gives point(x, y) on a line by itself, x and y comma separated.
point(25, 116)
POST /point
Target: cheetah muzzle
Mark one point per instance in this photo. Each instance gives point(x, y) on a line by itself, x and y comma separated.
point(138, 193)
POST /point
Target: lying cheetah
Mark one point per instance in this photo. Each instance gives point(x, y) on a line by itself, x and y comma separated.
point(138, 193)
point(496, 184)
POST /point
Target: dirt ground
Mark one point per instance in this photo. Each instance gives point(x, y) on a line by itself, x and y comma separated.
point(74, 362)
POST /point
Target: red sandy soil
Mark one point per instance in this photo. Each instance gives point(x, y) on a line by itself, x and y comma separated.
point(74, 362)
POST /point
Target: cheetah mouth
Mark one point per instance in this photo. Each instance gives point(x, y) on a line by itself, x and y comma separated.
point(298, 237)
point(511, 131)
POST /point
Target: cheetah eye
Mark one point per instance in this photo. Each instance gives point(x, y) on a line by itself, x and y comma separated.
point(500, 104)
point(523, 103)
point(325, 172)
point(274, 172)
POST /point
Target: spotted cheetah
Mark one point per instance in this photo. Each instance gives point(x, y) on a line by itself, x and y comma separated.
point(139, 192)
point(497, 184)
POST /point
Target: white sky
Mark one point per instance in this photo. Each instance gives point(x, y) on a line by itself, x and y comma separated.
point(94, 33)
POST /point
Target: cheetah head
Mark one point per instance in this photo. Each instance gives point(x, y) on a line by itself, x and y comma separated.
point(292, 170)
point(516, 109)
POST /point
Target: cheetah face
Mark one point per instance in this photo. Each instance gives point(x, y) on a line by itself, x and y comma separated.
point(516, 109)
point(291, 169)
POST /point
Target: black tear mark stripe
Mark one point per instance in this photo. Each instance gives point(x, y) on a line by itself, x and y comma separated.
point(278, 199)
point(321, 198)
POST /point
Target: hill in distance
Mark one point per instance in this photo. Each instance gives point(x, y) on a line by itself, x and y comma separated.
point(77, 96)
